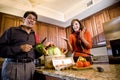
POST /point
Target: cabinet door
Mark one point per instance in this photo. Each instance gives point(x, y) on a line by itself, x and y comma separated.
point(114, 11)
point(68, 31)
point(99, 20)
point(90, 25)
point(35, 28)
point(0, 23)
point(42, 30)
point(106, 15)
point(7, 22)
point(40, 76)
point(61, 33)
point(52, 34)
point(52, 78)
point(19, 21)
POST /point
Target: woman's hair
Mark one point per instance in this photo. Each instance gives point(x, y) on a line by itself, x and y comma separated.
point(30, 12)
point(72, 22)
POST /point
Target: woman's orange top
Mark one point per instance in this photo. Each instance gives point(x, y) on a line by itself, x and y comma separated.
point(78, 51)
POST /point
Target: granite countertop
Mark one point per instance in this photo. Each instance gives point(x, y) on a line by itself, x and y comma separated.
point(111, 72)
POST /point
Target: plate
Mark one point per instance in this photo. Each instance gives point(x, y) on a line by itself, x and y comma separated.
point(82, 68)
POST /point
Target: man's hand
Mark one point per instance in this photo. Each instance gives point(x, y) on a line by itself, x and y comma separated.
point(26, 47)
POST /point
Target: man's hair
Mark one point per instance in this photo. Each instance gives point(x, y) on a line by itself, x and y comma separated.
point(30, 12)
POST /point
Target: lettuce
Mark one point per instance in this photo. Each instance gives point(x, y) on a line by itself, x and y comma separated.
point(53, 51)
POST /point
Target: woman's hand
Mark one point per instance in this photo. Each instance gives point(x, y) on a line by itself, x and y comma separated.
point(82, 33)
point(68, 44)
point(82, 36)
point(65, 39)
point(26, 47)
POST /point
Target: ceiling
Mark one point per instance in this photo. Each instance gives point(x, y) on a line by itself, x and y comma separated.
point(58, 12)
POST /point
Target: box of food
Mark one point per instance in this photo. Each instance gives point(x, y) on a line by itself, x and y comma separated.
point(63, 63)
point(48, 60)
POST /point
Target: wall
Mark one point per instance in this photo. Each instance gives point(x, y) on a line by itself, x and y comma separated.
point(100, 54)
point(100, 51)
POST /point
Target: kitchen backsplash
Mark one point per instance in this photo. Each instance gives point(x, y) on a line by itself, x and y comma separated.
point(100, 54)
point(102, 58)
point(99, 51)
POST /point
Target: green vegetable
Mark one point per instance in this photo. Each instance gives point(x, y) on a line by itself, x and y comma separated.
point(53, 51)
point(40, 48)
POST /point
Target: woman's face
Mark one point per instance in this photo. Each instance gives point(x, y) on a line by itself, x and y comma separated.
point(76, 26)
point(30, 20)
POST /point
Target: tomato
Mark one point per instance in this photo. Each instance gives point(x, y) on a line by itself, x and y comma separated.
point(79, 64)
point(86, 63)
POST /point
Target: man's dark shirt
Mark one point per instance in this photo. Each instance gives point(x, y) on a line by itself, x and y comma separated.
point(11, 40)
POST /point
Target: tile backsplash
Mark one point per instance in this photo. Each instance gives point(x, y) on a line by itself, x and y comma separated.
point(99, 51)
point(102, 58)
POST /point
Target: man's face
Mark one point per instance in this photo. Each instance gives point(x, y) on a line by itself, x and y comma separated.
point(30, 20)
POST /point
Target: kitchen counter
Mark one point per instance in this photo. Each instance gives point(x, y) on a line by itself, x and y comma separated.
point(111, 72)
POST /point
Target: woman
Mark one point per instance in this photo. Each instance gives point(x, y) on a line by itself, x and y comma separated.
point(80, 41)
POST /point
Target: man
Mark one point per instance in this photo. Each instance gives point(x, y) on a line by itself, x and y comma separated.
point(16, 46)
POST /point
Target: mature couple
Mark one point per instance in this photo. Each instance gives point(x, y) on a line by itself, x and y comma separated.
point(17, 47)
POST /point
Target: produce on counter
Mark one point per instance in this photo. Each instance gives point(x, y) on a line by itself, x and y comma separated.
point(53, 50)
point(79, 64)
point(40, 48)
point(48, 50)
point(81, 59)
point(82, 62)
point(86, 64)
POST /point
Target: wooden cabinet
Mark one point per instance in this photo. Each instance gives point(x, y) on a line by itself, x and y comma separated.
point(19, 21)
point(42, 30)
point(99, 20)
point(68, 31)
point(61, 33)
point(8, 21)
point(40, 76)
point(95, 27)
point(89, 24)
point(52, 32)
point(94, 24)
point(0, 22)
point(114, 10)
